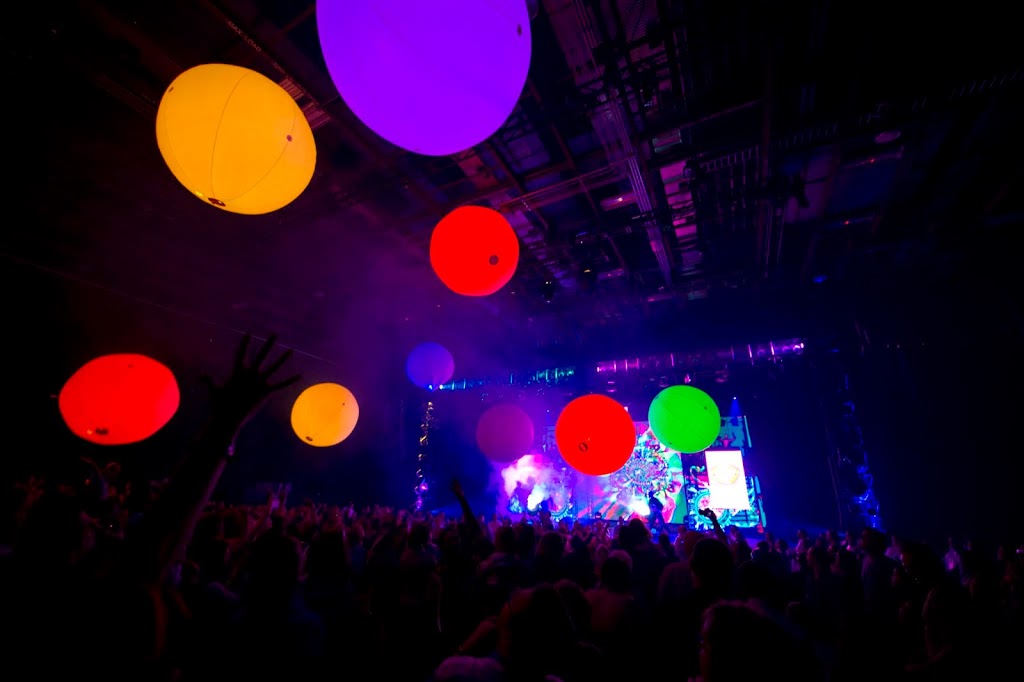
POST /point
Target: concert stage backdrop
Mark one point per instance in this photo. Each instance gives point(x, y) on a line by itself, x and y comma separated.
point(681, 482)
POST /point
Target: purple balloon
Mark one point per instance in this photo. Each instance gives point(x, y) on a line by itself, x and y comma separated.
point(429, 365)
point(434, 77)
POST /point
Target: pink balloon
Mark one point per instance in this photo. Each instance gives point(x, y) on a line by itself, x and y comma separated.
point(505, 432)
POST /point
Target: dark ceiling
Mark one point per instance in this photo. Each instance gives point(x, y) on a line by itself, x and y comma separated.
point(675, 169)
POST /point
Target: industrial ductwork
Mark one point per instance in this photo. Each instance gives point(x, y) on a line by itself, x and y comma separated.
point(573, 25)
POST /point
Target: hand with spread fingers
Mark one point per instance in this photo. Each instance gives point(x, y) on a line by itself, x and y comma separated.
point(166, 528)
point(250, 383)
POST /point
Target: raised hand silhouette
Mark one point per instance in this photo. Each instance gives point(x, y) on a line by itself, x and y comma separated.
point(456, 488)
point(166, 529)
point(250, 383)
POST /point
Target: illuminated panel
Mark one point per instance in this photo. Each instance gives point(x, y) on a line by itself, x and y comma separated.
point(727, 482)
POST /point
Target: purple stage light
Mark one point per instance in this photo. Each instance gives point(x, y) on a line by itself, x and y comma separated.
point(435, 78)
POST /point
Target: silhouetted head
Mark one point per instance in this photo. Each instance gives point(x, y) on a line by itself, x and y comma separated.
point(576, 602)
point(948, 618)
point(55, 533)
point(739, 643)
point(535, 632)
point(327, 557)
point(552, 545)
point(419, 536)
point(616, 575)
point(273, 568)
point(711, 565)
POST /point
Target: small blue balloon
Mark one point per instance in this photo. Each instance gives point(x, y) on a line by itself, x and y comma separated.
point(429, 365)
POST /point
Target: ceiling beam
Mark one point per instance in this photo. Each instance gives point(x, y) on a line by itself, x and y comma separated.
point(303, 15)
point(667, 34)
point(570, 160)
point(154, 57)
point(621, 112)
point(765, 205)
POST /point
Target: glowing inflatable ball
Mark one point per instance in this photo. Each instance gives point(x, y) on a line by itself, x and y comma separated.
point(595, 435)
point(505, 432)
point(429, 365)
point(235, 139)
point(474, 251)
point(119, 399)
point(324, 415)
point(685, 419)
point(434, 78)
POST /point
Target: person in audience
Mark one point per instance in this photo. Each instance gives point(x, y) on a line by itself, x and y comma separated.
point(739, 643)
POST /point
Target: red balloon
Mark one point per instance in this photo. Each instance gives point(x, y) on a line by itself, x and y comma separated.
point(474, 251)
point(595, 435)
point(505, 432)
point(119, 399)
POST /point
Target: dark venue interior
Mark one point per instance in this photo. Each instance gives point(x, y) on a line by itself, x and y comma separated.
point(804, 209)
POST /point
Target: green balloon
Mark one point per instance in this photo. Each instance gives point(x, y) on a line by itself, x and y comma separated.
point(685, 418)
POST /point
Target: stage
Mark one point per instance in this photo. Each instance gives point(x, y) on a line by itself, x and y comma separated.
point(683, 484)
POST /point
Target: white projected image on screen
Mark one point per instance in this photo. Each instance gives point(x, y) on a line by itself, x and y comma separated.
point(727, 481)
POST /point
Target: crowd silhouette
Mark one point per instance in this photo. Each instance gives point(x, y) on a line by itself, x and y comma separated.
point(159, 582)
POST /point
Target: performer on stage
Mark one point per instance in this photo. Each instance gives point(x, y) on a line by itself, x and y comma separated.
point(656, 520)
point(522, 496)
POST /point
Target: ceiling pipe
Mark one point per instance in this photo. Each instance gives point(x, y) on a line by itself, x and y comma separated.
point(571, 161)
point(588, 160)
point(720, 357)
point(635, 173)
point(765, 210)
point(626, 369)
point(619, 112)
point(810, 254)
point(559, 191)
point(669, 38)
point(579, 41)
point(664, 141)
point(519, 215)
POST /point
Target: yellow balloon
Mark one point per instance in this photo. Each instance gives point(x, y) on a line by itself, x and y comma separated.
point(324, 415)
point(235, 139)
